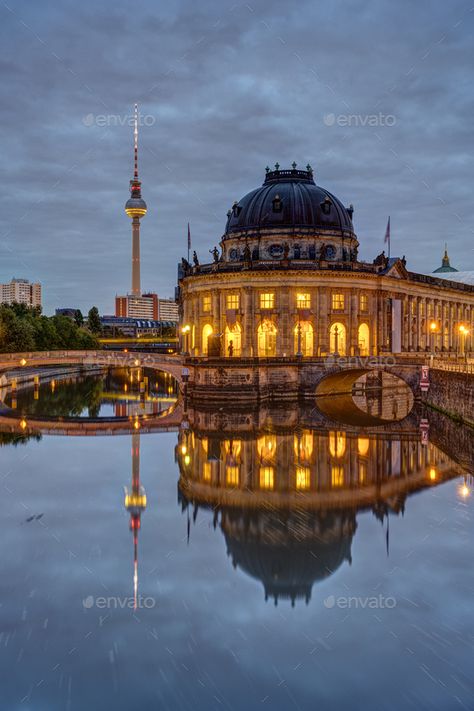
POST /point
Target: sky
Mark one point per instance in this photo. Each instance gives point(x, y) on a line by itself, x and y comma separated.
point(376, 95)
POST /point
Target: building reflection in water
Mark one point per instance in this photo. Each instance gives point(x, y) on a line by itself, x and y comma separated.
point(286, 494)
point(135, 503)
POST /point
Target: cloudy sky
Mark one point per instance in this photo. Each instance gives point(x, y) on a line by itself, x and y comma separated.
point(376, 95)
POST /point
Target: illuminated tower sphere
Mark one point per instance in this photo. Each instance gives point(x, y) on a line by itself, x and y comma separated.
point(135, 208)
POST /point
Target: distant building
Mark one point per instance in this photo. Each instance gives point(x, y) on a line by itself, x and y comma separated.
point(144, 306)
point(168, 310)
point(117, 325)
point(68, 312)
point(21, 291)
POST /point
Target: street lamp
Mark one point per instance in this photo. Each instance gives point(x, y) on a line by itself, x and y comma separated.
point(185, 331)
point(433, 329)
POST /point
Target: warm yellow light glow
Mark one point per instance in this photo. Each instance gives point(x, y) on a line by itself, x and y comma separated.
point(207, 331)
point(266, 339)
point(23, 424)
point(337, 475)
point(136, 425)
point(137, 362)
point(22, 361)
point(206, 471)
point(267, 477)
point(187, 459)
point(464, 490)
point(135, 501)
point(303, 300)
point(303, 446)
point(433, 474)
point(363, 444)
point(232, 475)
point(206, 304)
point(233, 302)
point(266, 446)
point(186, 329)
point(184, 449)
point(337, 444)
point(433, 326)
point(267, 300)
point(303, 477)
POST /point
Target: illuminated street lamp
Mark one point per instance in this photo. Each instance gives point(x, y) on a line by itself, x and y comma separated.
point(185, 331)
point(433, 330)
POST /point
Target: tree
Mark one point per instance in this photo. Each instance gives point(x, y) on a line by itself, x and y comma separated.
point(78, 318)
point(93, 320)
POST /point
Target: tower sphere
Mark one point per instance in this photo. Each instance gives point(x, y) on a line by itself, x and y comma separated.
point(135, 207)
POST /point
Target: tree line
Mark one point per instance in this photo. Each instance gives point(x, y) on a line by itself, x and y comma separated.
point(23, 328)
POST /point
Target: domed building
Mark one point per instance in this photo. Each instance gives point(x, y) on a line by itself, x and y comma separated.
point(287, 283)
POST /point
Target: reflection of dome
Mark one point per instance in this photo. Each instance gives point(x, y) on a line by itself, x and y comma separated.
point(289, 198)
point(288, 554)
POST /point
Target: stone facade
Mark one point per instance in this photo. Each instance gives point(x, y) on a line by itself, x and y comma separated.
point(298, 289)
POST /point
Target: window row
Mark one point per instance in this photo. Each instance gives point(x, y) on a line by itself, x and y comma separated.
point(303, 301)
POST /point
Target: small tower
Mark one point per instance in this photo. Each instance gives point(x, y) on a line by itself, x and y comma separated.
point(135, 208)
point(135, 503)
point(445, 264)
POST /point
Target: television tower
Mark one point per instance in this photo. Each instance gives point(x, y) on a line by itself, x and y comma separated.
point(135, 503)
point(135, 207)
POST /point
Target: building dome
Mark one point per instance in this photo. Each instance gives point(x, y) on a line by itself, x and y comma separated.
point(289, 199)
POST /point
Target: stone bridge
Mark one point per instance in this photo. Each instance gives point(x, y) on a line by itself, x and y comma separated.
point(172, 364)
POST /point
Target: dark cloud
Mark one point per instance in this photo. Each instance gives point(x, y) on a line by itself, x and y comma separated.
point(226, 89)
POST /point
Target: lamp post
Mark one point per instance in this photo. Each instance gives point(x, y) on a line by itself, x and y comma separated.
point(299, 353)
point(185, 331)
point(433, 329)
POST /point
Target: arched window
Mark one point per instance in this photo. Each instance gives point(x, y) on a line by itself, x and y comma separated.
point(337, 444)
point(306, 338)
point(337, 338)
point(266, 339)
point(233, 340)
point(206, 332)
point(364, 340)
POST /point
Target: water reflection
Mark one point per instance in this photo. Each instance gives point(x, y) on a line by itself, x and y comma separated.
point(286, 493)
point(135, 503)
point(115, 392)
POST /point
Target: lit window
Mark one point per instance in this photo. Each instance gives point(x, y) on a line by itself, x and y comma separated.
point(362, 472)
point(233, 301)
point(303, 445)
point(363, 445)
point(337, 444)
point(206, 471)
point(267, 301)
point(206, 304)
point(232, 476)
point(363, 302)
point(337, 302)
point(266, 477)
point(303, 477)
point(303, 301)
point(266, 446)
point(337, 475)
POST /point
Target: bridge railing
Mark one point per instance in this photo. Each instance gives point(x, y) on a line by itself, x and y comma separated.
point(453, 366)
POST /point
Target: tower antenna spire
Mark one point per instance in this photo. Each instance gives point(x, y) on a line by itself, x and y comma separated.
point(135, 137)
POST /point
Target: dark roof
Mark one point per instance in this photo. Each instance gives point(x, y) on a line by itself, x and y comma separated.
point(289, 198)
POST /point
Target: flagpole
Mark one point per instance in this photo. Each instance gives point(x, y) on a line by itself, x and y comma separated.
point(189, 241)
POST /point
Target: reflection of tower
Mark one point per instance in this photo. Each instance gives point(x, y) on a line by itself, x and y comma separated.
point(135, 208)
point(135, 503)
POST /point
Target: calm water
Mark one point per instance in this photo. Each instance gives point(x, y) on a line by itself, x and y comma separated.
point(266, 559)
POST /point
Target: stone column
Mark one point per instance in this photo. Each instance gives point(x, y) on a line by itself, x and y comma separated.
point(353, 345)
point(284, 320)
point(323, 327)
point(248, 324)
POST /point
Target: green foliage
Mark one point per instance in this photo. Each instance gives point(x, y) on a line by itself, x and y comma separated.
point(78, 318)
point(25, 329)
point(93, 320)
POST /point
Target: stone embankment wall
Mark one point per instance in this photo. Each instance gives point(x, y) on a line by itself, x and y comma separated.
point(452, 393)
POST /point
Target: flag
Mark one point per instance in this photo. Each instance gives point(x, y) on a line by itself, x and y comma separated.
point(189, 238)
point(387, 234)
